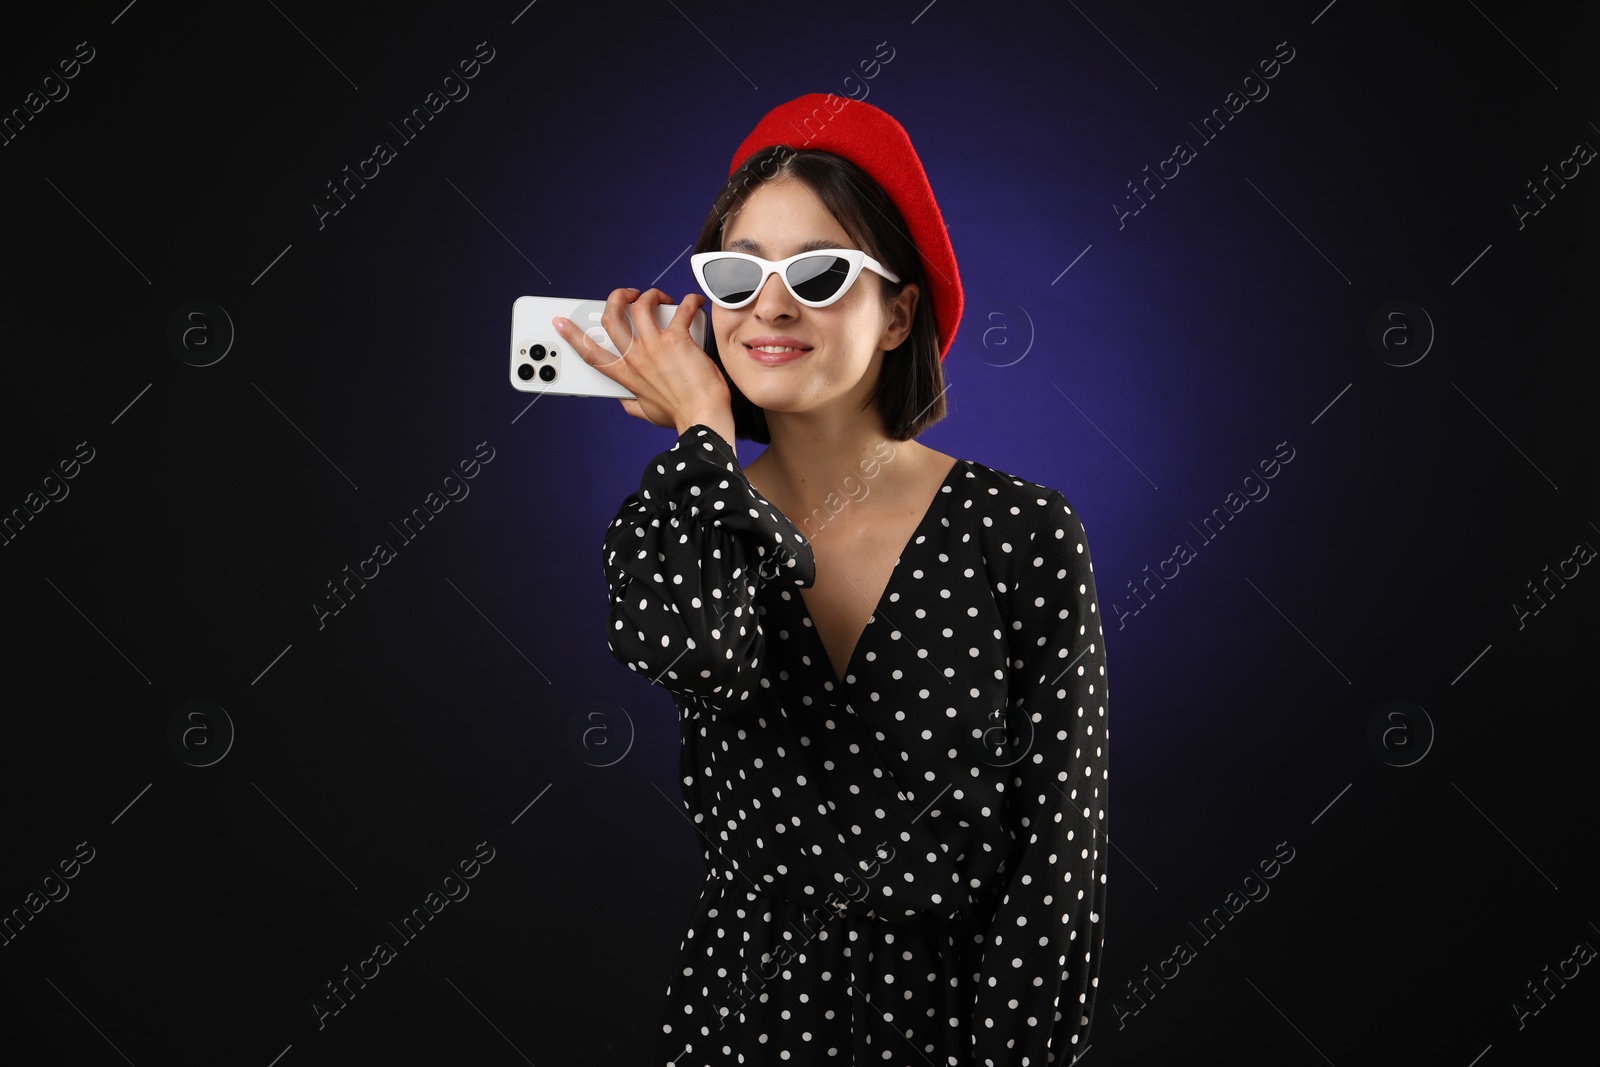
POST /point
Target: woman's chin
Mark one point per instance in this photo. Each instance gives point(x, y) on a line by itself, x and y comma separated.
point(769, 396)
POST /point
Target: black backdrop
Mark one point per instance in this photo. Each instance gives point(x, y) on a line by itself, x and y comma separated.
point(219, 392)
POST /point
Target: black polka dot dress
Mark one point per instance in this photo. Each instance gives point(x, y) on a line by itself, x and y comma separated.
point(905, 865)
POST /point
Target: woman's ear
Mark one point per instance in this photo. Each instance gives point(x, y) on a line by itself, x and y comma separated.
point(902, 313)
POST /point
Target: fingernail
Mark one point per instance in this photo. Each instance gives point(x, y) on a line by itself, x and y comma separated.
point(560, 323)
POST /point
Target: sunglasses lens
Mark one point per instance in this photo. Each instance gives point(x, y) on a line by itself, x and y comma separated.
point(818, 277)
point(731, 280)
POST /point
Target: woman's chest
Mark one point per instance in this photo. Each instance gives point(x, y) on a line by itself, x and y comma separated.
point(926, 626)
point(853, 571)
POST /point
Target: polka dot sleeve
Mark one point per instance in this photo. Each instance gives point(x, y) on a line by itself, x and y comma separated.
point(1041, 956)
point(683, 561)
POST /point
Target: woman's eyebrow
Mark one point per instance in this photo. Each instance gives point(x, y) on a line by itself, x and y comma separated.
point(746, 244)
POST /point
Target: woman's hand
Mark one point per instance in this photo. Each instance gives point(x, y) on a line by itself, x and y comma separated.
point(674, 383)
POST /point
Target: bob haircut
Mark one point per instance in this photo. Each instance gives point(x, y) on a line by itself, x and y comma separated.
point(910, 392)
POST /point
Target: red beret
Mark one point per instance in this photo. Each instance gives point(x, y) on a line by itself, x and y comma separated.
point(868, 137)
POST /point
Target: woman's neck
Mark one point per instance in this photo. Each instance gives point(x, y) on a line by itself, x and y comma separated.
point(810, 458)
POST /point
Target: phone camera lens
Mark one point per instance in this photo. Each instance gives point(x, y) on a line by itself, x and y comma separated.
point(537, 352)
point(547, 373)
point(524, 372)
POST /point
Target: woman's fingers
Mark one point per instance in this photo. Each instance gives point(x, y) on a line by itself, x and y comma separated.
point(644, 312)
point(630, 304)
point(614, 319)
point(668, 371)
point(598, 358)
point(684, 316)
point(593, 353)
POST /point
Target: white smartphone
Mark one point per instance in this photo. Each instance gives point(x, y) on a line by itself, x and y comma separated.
point(541, 362)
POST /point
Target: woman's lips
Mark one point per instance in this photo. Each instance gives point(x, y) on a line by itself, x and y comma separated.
point(772, 359)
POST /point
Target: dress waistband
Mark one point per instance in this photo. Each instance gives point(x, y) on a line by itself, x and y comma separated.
point(855, 898)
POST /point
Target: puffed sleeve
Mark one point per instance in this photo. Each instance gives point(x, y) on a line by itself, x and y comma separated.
point(683, 561)
point(1041, 955)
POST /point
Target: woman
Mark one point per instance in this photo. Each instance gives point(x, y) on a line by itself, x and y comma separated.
point(888, 662)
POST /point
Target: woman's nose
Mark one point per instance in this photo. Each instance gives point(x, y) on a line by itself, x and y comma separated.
point(774, 300)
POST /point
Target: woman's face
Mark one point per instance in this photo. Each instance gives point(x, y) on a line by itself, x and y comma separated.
point(841, 345)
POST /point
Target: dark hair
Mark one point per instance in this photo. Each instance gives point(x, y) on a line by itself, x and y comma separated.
point(910, 392)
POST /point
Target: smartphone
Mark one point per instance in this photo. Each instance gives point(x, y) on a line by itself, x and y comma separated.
point(541, 362)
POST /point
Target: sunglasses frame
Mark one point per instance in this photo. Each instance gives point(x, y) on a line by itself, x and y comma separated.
point(854, 256)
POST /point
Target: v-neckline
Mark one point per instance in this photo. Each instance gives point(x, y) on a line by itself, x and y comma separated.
point(810, 623)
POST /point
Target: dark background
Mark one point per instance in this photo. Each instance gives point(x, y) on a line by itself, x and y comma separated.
point(471, 679)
